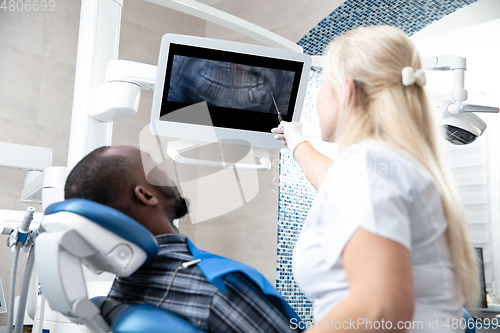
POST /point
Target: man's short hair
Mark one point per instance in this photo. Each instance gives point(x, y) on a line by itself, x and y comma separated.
point(106, 179)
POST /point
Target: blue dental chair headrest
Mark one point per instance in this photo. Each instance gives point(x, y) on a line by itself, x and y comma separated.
point(112, 220)
point(142, 318)
point(121, 317)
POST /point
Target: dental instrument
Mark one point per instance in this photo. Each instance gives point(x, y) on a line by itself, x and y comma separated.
point(20, 238)
point(277, 109)
point(181, 267)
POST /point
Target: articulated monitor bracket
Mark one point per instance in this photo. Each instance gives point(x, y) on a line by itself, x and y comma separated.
point(214, 15)
point(174, 148)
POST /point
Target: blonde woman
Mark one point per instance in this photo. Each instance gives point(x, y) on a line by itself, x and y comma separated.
point(385, 246)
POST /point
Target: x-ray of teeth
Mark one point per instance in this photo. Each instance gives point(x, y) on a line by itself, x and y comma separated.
point(229, 85)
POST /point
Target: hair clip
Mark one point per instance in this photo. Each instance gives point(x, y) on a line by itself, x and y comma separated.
point(411, 76)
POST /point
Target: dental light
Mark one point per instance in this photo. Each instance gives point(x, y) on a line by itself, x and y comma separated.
point(461, 125)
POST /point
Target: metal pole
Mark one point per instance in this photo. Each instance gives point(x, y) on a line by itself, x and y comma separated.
point(98, 41)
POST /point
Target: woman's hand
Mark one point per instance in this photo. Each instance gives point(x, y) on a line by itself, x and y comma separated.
point(290, 133)
point(314, 164)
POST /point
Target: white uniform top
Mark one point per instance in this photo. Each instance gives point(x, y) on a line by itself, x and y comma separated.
point(388, 193)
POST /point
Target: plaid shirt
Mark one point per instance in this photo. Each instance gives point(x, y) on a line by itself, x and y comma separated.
point(242, 308)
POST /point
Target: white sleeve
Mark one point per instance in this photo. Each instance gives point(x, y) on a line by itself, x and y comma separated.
point(368, 188)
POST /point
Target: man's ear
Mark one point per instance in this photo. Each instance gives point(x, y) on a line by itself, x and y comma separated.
point(145, 196)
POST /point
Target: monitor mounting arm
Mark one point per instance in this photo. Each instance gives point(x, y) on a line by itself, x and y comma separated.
point(214, 15)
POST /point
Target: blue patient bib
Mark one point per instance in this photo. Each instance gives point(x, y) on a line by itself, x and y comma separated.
point(215, 267)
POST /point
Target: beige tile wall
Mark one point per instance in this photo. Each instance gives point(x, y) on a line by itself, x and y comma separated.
point(37, 65)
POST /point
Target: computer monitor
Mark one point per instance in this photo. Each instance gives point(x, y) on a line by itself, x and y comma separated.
point(213, 90)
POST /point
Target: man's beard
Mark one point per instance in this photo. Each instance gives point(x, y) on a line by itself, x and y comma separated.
point(180, 208)
point(180, 204)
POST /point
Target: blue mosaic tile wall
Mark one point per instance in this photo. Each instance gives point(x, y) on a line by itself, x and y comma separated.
point(408, 15)
point(296, 194)
point(295, 199)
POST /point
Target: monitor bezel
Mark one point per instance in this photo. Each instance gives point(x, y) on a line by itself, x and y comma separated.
point(212, 133)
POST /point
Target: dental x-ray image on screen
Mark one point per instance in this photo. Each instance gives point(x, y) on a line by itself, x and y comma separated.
point(206, 87)
point(229, 85)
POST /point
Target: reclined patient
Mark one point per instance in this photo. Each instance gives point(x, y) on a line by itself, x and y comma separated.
point(115, 176)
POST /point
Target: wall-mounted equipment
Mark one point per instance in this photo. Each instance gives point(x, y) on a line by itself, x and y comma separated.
point(461, 125)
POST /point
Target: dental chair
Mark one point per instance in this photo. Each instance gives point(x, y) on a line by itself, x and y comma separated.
point(78, 231)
